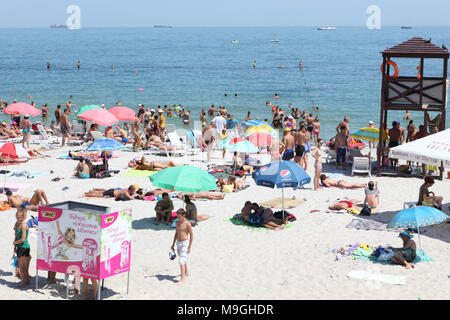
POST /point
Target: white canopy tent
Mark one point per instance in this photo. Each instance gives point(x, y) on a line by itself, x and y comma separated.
point(432, 149)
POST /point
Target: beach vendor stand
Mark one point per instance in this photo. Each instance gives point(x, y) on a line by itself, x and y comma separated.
point(84, 240)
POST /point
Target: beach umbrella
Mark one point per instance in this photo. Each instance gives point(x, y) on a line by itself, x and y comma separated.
point(11, 150)
point(238, 144)
point(123, 113)
point(367, 133)
point(282, 174)
point(184, 178)
point(86, 108)
point(264, 128)
point(21, 108)
point(260, 139)
point(100, 116)
point(105, 145)
point(252, 123)
point(417, 217)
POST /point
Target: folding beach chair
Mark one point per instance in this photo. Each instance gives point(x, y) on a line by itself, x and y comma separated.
point(361, 165)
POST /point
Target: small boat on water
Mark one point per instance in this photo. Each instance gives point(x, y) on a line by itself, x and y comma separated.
point(58, 26)
point(159, 26)
point(234, 41)
point(406, 27)
point(274, 40)
point(326, 28)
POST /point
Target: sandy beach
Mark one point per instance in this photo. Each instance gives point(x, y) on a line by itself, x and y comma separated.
point(233, 262)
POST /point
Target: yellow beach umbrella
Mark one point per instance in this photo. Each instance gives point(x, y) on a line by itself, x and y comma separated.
point(259, 129)
point(367, 133)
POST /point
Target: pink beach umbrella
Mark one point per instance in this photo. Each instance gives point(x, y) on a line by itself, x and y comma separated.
point(13, 151)
point(22, 108)
point(100, 116)
point(123, 113)
point(260, 139)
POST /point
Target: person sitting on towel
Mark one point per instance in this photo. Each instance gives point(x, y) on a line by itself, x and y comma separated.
point(372, 194)
point(164, 209)
point(407, 254)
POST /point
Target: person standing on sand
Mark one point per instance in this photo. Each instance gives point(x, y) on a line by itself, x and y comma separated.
point(58, 115)
point(65, 126)
point(301, 137)
point(316, 130)
point(411, 130)
point(208, 139)
point(183, 239)
point(25, 125)
point(341, 143)
point(317, 154)
point(289, 144)
point(345, 124)
point(22, 246)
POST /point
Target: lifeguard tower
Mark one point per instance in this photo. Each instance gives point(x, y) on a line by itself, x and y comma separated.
point(413, 93)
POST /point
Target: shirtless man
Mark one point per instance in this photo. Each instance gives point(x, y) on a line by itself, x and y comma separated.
point(289, 145)
point(111, 193)
point(123, 135)
point(164, 209)
point(58, 114)
point(151, 166)
point(411, 130)
point(345, 124)
point(329, 182)
point(212, 111)
point(109, 133)
point(137, 139)
point(65, 126)
point(422, 132)
point(16, 201)
point(211, 195)
point(301, 137)
point(341, 144)
point(396, 137)
point(186, 117)
point(407, 115)
point(183, 238)
point(208, 139)
point(310, 123)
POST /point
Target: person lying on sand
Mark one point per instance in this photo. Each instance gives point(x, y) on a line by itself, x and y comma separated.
point(211, 195)
point(237, 184)
point(16, 201)
point(112, 193)
point(150, 166)
point(255, 215)
point(220, 183)
point(12, 160)
point(329, 182)
point(344, 204)
point(407, 254)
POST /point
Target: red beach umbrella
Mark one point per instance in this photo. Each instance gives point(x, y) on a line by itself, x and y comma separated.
point(22, 108)
point(260, 139)
point(100, 116)
point(123, 113)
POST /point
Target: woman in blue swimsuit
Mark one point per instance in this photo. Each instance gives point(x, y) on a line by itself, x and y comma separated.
point(25, 125)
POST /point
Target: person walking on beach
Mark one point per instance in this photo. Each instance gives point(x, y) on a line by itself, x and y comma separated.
point(22, 247)
point(341, 143)
point(65, 126)
point(183, 239)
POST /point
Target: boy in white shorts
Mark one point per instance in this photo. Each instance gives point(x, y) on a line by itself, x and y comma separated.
point(183, 238)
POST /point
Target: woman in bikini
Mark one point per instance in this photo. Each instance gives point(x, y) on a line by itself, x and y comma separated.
point(317, 154)
point(316, 130)
point(191, 212)
point(329, 182)
point(150, 166)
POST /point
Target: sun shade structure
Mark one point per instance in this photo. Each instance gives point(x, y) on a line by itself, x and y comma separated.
point(184, 179)
point(21, 108)
point(433, 149)
point(123, 113)
point(417, 92)
point(100, 116)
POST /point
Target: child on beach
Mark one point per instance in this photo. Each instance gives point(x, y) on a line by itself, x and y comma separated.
point(183, 231)
point(22, 247)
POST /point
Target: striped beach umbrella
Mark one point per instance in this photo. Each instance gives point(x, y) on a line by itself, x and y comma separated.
point(264, 128)
point(367, 133)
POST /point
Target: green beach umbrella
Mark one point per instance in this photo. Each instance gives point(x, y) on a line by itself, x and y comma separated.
point(86, 108)
point(185, 179)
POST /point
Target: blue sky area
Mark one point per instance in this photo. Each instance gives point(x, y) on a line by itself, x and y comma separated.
point(191, 13)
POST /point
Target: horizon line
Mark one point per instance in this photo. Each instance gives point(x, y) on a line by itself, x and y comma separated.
point(174, 26)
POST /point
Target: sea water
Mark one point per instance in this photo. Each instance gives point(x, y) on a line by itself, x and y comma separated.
point(195, 67)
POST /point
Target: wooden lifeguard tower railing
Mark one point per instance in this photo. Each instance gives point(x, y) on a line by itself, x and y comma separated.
point(413, 93)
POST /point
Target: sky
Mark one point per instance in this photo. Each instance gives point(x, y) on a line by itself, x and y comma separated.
point(214, 13)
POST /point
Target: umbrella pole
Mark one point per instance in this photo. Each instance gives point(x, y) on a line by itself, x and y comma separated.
point(282, 201)
point(418, 235)
point(4, 180)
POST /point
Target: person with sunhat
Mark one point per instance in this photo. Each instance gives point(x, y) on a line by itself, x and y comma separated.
point(407, 254)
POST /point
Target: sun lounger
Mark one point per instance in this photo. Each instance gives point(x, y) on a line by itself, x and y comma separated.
point(45, 138)
point(331, 155)
point(361, 165)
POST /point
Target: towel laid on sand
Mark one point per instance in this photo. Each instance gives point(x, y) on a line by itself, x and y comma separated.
point(14, 187)
point(277, 203)
point(138, 173)
point(385, 278)
point(362, 224)
point(25, 173)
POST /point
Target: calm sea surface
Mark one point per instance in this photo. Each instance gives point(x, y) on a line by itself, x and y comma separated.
point(195, 67)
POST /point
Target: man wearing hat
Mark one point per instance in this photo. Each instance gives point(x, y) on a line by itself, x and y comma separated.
point(371, 144)
point(407, 254)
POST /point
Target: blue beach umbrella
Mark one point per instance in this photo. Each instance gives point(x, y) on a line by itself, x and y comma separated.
point(238, 145)
point(282, 174)
point(417, 217)
point(105, 145)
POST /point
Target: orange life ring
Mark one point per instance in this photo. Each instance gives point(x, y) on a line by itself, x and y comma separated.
point(394, 65)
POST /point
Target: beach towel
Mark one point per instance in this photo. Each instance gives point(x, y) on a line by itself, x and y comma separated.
point(138, 173)
point(385, 278)
point(421, 256)
point(362, 224)
point(277, 203)
point(240, 222)
point(25, 173)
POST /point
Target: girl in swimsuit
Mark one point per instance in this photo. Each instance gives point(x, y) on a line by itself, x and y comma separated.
point(191, 212)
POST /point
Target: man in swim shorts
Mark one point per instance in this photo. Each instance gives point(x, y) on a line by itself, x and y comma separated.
point(16, 201)
point(341, 144)
point(300, 139)
point(112, 193)
point(164, 209)
point(289, 143)
point(183, 239)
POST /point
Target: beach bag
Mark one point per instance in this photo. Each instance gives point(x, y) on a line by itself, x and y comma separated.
point(227, 188)
point(365, 211)
point(122, 198)
point(32, 222)
point(404, 169)
point(385, 255)
point(4, 206)
point(279, 215)
point(254, 220)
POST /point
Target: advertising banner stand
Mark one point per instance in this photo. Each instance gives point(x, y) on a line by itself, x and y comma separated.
point(84, 240)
